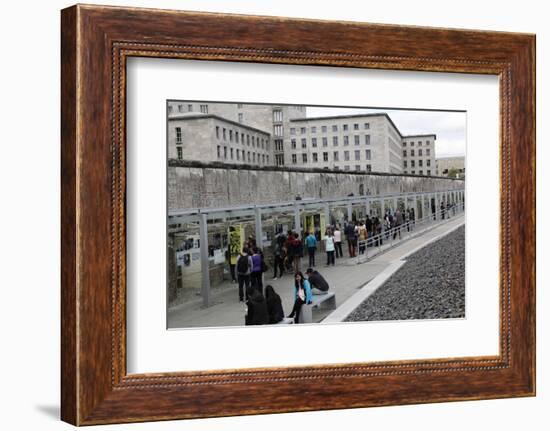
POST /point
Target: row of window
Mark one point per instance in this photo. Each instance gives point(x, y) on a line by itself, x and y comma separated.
point(324, 140)
point(419, 152)
point(245, 156)
point(234, 137)
point(420, 162)
point(411, 143)
point(335, 156)
point(182, 108)
point(420, 172)
point(324, 129)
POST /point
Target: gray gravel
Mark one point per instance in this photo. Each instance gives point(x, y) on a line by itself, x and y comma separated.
point(430, 285)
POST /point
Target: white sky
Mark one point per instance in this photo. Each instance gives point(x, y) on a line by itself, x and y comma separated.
point(450, 127)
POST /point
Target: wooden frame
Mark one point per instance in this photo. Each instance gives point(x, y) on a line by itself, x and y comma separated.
point(96, 41)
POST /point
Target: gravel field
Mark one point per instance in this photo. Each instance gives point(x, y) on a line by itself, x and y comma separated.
point(430, 285)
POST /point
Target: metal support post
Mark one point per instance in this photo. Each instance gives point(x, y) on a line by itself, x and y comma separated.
point(205, 261)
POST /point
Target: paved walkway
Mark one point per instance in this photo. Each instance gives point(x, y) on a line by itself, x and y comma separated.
point(345, 279)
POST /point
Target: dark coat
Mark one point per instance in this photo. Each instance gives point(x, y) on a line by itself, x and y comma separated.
point(318, 281)
point(274, 306)
point(257, 309)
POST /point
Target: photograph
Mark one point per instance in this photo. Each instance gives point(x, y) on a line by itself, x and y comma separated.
point(281, 214)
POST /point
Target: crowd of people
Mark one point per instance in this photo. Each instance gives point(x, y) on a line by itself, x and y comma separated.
point(265, 306)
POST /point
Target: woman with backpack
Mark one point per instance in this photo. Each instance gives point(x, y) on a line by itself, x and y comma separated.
point(244, 269)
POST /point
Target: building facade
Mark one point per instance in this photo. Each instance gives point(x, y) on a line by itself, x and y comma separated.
point(419, 154)
point(208, 138)
point(283, 135)
point(445, 164)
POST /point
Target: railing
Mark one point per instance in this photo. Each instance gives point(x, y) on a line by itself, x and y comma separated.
point(389, 238)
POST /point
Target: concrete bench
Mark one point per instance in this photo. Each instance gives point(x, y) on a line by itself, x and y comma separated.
point(327, 300)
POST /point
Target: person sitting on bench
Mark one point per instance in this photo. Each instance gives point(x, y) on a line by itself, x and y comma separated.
point(317, 282)
point(274, 305)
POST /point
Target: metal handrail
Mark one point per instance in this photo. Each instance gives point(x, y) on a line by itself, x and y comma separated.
point(406, 231)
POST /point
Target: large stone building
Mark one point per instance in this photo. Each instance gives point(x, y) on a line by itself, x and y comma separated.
point(283, 135)
point(444, 165)
point(419, 154)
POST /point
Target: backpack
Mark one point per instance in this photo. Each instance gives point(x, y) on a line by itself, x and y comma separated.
point(242, 264)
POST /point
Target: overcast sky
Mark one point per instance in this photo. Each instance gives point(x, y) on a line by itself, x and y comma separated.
point(450, 127)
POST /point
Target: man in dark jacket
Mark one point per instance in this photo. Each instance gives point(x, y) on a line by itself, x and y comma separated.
point(274, 305)
point(318, 284)
point(256, 308)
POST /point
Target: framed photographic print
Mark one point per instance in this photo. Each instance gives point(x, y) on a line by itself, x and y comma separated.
point(273, 206)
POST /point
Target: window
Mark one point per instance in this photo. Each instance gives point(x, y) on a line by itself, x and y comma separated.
point(428, 162)
point(294, 159)
point(325, 157)
point(421, 172)
point(314, 155)
point(277, 115)
point(427, 151)
point(237, 137)
point(248, 156)
point(404, 163)
point(278, 130)
point(334, 128)
point(293, 130)
point(346, 155)
point(242, 138)
point(412, 164)
point(404, 153)
point(225, 152)
point(293, 144)
point(278, 145)
point(369, 168)
point(304, 143)
point(224, 134)
point(304, 157)
point(335, 155)
point(180, 108)
point(238, 153)
point(345, 127)
point(419, 143)
point(314, 142)
point(190, 108)
point(231, 136)
point(313, 129)
point(367, 154)
point(240, 117)
point(412, 143)
point(420, 163)
point(357, 167)
point(302, 130)
point(170, 109)
point(219, 152)
point(404, 144)
point(427, 142)
point(413, 172)
point(252, 139)
point(356, 126)
point(204, 109)
point(336, 168)
point(263, 159)
point(279, 160)
point(346, 168)
point(335, 141)
point(325, 142)
point(231, 152)
point(178, 135)
point(428, 172)
point(180, 153)
point(346, 140)
point(367, 126)
point(324, 129)
point(239, 105)
point(367, 139)
point(254, 157)
point(218, 132)
point(420, 151)
point(248, 140)
point(412, 153)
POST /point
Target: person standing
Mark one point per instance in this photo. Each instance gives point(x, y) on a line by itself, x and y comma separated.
point(302, 295)
point(297, 252)
point(351, 238)
point(311, 244)
point(338, 241)
point(398, 222)
point(329, 247)
point(244, 269)
point(256, 273)
point(278, 259)
point(362, 237)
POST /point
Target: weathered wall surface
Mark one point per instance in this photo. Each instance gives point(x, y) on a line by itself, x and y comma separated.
point(199, 185)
